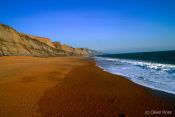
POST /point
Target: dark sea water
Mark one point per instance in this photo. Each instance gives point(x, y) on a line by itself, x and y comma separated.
point(151, 69)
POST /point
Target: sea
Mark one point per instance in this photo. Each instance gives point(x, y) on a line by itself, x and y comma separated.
point(155, 70)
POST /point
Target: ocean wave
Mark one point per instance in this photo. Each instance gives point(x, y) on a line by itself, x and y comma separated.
point(153, 75)
point(144, 64)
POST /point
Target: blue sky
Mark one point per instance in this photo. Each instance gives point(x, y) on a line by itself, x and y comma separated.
point(105, 25)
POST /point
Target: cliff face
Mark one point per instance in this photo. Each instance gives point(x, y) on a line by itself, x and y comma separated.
point(76, 51)
point(14, 43)
point(41, 39)
point(19, 44)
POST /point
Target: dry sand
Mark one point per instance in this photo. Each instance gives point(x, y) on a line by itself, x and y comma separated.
point(23, 81)
point(72, 87)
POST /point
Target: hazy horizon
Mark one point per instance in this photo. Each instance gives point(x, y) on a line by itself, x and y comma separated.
point(112, 26)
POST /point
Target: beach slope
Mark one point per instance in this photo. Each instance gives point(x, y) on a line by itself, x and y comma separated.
point(72, 86)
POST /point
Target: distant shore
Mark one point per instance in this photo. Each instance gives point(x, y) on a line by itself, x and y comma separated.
point(73, 86)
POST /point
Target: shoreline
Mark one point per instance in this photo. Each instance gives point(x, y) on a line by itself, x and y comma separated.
point(156, 92)
point(154, 89)
point(71, 86)
point(121, 102)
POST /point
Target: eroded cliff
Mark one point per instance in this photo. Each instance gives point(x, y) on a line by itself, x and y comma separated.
point(13, 43)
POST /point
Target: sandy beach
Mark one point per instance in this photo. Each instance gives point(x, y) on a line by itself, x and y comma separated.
point(73, 87)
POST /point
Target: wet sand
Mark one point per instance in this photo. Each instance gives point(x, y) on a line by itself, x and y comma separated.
point(73, 87)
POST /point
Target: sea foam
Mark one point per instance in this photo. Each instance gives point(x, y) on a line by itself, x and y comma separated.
point(154, 75)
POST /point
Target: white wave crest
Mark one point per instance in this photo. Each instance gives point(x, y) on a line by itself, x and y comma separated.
point(145, 64)
point(149, 74)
